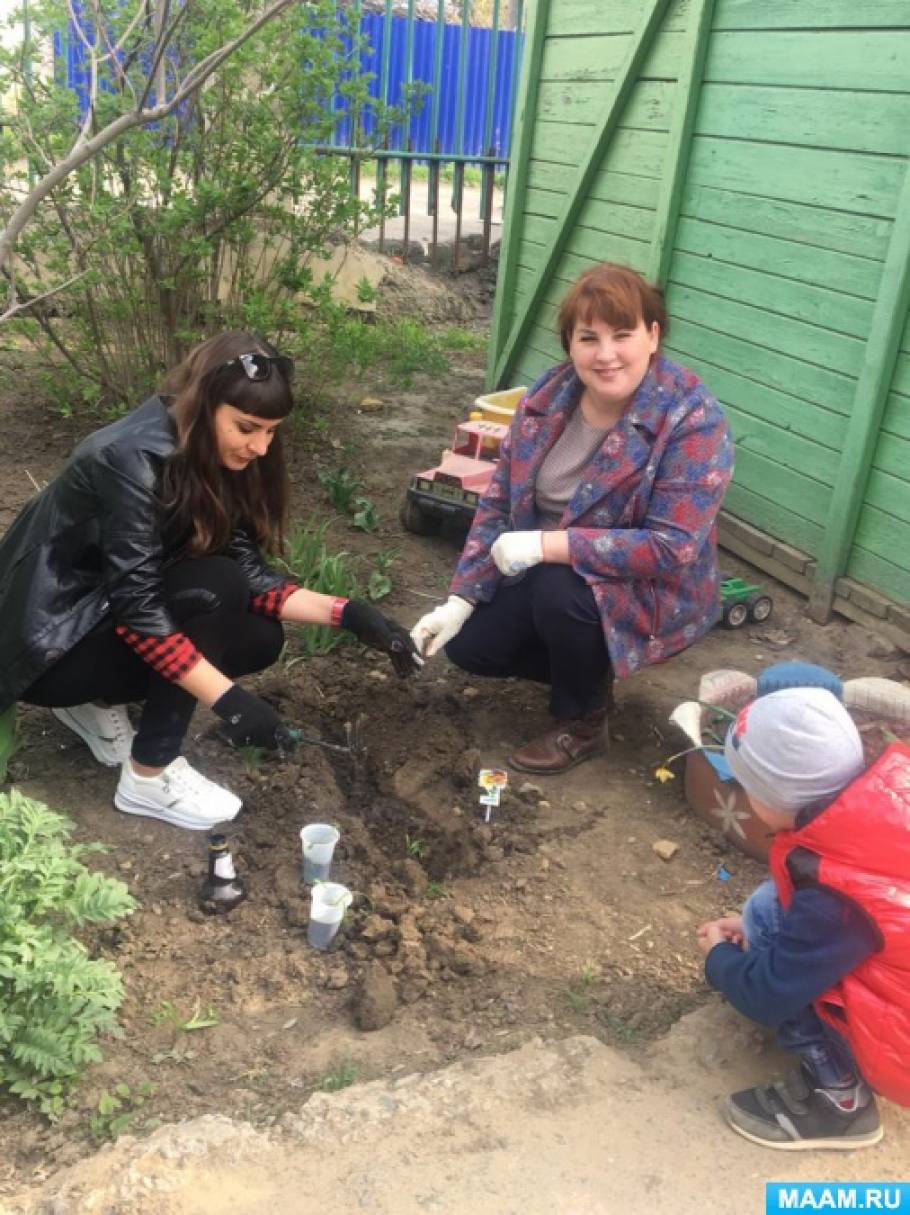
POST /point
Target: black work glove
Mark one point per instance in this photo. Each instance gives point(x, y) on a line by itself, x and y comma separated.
point(249, 719)
point(378, 631)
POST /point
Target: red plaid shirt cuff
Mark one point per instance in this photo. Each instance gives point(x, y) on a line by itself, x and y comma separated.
point(172, 657)
point(338, 606)
point(271, 603)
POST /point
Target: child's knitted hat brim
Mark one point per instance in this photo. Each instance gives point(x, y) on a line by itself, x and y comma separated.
point(794, 748)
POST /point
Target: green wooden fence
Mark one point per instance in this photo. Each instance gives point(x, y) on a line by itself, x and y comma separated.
point(753, 156)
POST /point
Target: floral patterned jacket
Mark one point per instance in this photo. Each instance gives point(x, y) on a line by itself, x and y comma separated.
point(642, 521)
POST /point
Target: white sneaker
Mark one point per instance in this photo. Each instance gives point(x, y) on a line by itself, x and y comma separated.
point(107, 730)
point(179, 795)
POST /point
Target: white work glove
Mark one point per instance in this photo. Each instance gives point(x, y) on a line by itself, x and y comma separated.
point(517, 551)
point(433, 631)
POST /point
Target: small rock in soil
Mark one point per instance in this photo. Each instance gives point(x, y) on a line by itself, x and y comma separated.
point(665, 849)
point(336, 979)
point(881, 647)
point(376, 1000)
point(529, 789)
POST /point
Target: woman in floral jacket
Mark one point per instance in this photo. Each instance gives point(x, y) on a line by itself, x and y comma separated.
point(594, 551)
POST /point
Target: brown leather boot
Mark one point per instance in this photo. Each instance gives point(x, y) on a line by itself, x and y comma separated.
point(567, 744)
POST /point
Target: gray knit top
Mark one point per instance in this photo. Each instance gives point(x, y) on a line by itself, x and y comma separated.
point(563, 466)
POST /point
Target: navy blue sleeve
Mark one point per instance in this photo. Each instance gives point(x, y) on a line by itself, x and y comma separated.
point(822, 938)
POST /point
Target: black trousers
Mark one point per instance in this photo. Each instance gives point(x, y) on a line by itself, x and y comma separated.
point(543, 626)
point(208, 598)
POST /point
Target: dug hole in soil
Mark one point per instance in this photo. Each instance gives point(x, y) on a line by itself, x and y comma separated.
point(556, 918)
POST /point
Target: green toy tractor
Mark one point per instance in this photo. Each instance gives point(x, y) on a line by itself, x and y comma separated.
point(743, 602)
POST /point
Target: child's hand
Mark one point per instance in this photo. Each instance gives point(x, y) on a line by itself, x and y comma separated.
point(713, 932)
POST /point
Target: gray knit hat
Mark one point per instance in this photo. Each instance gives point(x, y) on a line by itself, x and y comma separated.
point(794, 748)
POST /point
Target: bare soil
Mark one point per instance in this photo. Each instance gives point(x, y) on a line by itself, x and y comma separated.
point(556, 918)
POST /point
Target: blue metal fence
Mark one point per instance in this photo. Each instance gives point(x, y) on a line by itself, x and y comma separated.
point(469, 76)
point(480, 133)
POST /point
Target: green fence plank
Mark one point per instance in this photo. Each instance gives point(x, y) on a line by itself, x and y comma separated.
point(896, 419)
point(831, 351)
point(857, 276)
point(814, 118)
point(631, 154)
point(648, 107)
point(816, 385)
point(840, 59)
point(532, 364)
point(595, 218)
point(866, 184)
point(901, 380)
point(564, 144)
point(884, 535)
point(679, 139)
point(891, 495)
point(872, 389)
point(841, 313)
point(753, 400)
point(880, 573)
point(808, 14)
point(770, 516)
point(594, 17)
point(593, 160)
point(821, 227)
point(789, 450)
point(600, 58)
point(520, 169)
point(892, 455)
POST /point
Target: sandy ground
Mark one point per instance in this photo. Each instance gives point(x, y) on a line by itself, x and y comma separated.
point(571, 1127)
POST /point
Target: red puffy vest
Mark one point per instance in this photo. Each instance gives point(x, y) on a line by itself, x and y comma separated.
point(859, 846)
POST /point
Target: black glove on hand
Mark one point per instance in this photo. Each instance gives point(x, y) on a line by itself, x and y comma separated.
point(370, 626)
point(249, 719)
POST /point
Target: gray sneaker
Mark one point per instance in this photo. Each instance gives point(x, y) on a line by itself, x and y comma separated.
point(106, 729)
point(179, 795)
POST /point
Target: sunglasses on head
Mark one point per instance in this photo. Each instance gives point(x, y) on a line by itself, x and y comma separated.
point(259, 366)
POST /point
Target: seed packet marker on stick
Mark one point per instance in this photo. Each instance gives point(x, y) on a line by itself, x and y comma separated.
point(492, 781)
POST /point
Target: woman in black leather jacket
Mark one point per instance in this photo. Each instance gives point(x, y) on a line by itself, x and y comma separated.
point(137, 574)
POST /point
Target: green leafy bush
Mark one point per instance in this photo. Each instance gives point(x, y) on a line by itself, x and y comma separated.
point(210, 219)
point(54, 999)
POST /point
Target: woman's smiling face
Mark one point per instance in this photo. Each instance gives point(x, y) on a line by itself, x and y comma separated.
point(241, 437)
point(612, 362)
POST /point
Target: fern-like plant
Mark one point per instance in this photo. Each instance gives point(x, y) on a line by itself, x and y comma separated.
point(54, 998)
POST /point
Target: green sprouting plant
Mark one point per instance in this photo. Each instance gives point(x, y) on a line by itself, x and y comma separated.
point(168, 1014)
point(175, 1055)
point(342, 487)
point(414, 847)
point(116, 1110)
point(342, 1076)
point(366, 292)
point(380, 583)
point(463, 339)
point(436, 890)
point(251, 756)
point(365, 516)
point(579, 993)
point(309, 562)
point(55, 1000)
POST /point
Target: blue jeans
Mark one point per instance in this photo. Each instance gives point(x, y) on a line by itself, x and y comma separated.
point(824, 1052)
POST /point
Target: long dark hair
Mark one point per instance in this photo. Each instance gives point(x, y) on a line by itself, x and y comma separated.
point(202, 499)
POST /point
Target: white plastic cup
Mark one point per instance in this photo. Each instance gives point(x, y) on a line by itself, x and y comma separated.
point(318, 841)
point(328, 903)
